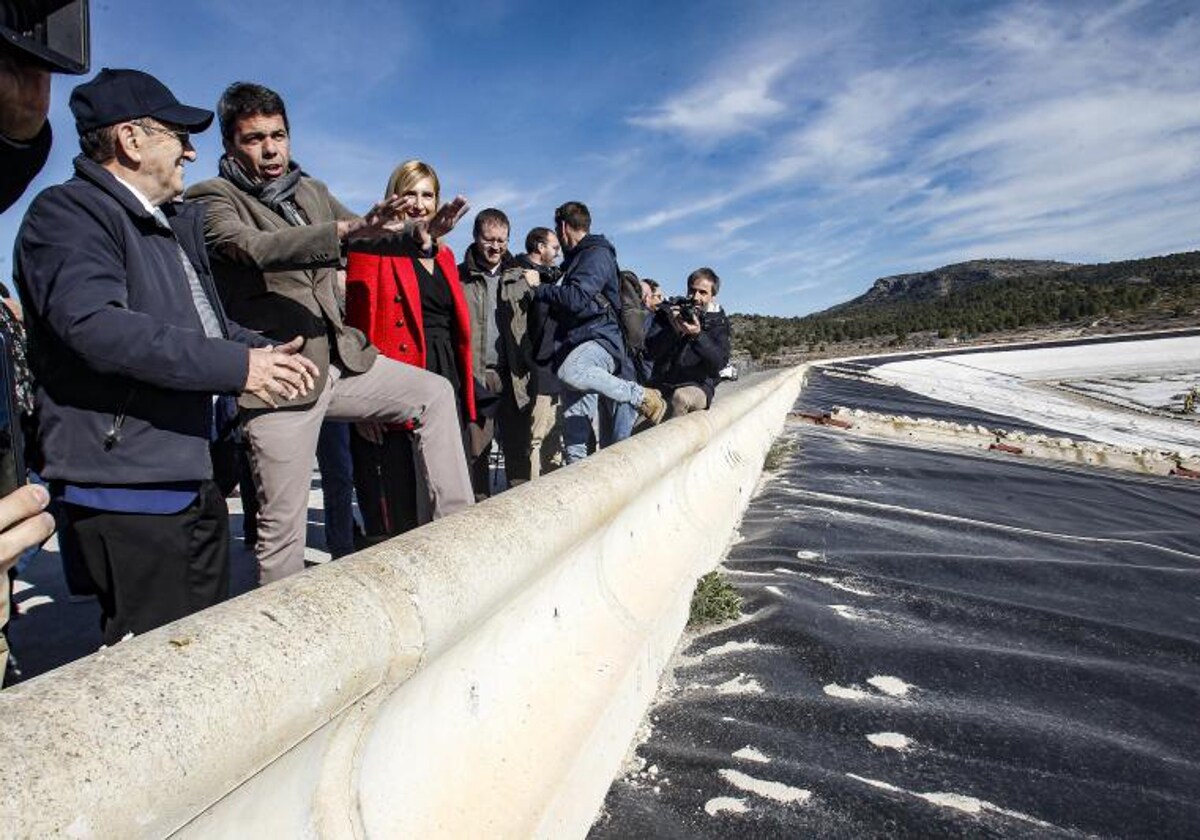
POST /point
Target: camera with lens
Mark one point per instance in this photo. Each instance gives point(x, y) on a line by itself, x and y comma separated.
point(685, 306)
point(52, 33)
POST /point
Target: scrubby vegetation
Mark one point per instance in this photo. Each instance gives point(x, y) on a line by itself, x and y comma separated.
point(968, 300)
point(780, 449)
point(715, 600)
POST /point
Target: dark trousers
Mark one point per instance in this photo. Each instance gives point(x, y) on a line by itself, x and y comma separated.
point(337, 487)
point(231, 469)
point(480, 435)
point(150, 569)
point(514, 433)
point(385, 478)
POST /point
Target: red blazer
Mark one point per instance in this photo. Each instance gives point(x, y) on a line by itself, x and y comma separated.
point(384, 301)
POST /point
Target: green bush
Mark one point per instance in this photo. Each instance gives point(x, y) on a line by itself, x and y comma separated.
point(715, 600)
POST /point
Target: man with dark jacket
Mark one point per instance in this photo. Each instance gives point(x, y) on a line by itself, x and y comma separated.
point(275, 237)
point(689, 345)
point(533, 440)
point(590, 347)
point(128, 343)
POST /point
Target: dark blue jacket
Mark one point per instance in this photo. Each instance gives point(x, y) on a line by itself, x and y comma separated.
point(589, 269)
point(114, 337)
point(683, 360)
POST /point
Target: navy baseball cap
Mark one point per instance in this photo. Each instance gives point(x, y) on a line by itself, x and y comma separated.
point(115, 96)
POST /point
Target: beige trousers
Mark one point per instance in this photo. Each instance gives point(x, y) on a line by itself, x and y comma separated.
point(545, 435)
point(687, 399)
point(283, 445)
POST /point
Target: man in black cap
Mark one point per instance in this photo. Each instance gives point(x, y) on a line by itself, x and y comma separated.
point(129, 343)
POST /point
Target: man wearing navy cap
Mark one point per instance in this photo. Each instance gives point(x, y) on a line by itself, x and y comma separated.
point(129, 343)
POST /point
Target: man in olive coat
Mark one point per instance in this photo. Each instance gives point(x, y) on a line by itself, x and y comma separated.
point(276, 237)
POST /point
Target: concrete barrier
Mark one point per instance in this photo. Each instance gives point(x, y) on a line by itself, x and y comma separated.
point(482, 676)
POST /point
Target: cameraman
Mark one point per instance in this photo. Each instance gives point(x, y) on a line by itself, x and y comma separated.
point(689, 344)
point(26, 63)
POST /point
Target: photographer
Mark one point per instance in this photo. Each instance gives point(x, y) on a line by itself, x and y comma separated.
point(27, 30)
point(26, 62)
point(689, 344)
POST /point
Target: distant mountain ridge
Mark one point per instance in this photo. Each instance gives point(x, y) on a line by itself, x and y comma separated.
point(924, 285)
point(966, 300)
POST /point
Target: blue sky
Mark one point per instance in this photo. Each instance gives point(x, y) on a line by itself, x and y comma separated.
point(801, 149)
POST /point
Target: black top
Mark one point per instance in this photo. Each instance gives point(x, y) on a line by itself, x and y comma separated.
point(437, 311)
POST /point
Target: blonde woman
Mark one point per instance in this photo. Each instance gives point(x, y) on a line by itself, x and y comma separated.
point(413, 310)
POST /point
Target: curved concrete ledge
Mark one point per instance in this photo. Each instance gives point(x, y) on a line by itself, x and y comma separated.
point(481, 676)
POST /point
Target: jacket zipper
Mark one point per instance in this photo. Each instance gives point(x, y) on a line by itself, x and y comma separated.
point(113, 436)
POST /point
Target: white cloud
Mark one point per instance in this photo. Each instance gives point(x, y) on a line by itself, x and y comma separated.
point(1040, 130)
point(509, 197)
point(727, 104)
point(869, 124)
point(658, 218)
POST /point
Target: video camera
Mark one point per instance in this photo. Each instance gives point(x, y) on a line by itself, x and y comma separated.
point(685, 306)
point(55, 33)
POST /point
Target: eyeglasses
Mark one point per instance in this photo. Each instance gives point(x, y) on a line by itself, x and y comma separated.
point(184, 137)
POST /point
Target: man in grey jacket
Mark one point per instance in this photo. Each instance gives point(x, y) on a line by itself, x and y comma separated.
point(484, 260)
point(276, 238)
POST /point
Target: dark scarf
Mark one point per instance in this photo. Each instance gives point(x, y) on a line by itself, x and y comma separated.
point(276, 194)
point(474, 263)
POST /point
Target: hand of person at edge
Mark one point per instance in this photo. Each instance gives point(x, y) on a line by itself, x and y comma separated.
point(24, 98)
point(23, 522)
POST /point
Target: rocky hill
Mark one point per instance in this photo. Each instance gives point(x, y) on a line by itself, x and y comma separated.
point(925, 285)
point(987, 300)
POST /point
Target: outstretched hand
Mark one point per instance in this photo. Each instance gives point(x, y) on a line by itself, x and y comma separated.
point(447, 216)
point(427, 232)
point(390, 216)
point(384, 218)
